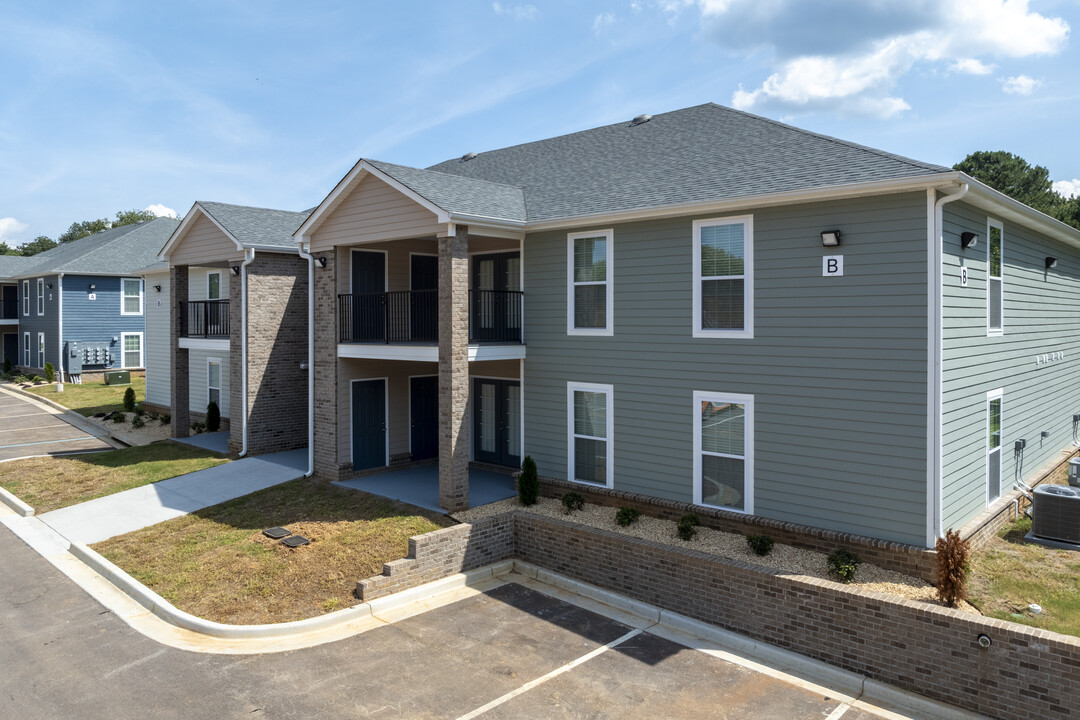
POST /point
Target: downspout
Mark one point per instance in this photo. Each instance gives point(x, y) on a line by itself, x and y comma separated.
point(249, 257)
point(60, 331)
point(310, 358)
point(935, 333)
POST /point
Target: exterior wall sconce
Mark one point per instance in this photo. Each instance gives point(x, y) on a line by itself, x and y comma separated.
point(48, 285)
point(1051, 262)
point(235, 269)
point(157, 288)
point(92, 286)
point(968, 240)
point(322, 261)
point(830, 238)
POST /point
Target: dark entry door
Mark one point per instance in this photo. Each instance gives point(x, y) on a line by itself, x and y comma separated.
point(11, 348)
point(369, 298)
point(424, 417)
point(368, 423)
point(10, 302)
point(424, 299)
point(497, 421)
point(496, 302)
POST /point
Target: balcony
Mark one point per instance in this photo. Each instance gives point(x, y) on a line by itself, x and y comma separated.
point(9, 310)
point(204, 319)
point(412, 317)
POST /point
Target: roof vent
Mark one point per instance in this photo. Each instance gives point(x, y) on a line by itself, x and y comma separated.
point(467, 157)
point(640, 120)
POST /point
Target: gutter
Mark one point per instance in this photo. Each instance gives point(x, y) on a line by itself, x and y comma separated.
point(248, 259)
point(60, 330)
point(304, 253)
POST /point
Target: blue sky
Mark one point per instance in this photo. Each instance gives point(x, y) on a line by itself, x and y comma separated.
point(108, 106)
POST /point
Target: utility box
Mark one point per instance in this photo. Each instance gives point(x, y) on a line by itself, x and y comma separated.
point(118, 377)
point(1074, 472)
point(73, 358)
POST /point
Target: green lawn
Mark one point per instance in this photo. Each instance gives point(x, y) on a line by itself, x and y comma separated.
point(48, 483)
point(93, 397)
point(216, 563)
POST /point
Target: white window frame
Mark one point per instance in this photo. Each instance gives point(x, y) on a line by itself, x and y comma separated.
point(992, 331)
point(40, 296)
point(214, 361)
point(747, 401)
point(747, 330)
point(609, 394)
point(40, 350)
point(123, 296)
point(124, 352)
point(26, 298)
point(609, 283)
point(26, 349)
point(990, 397)
point(213, 272)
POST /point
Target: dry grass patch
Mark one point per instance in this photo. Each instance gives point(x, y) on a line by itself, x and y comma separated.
point(49, 483)
point(216, 563)
point(92, 397)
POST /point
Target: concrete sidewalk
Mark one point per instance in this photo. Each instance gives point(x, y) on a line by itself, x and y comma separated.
point(106, 517)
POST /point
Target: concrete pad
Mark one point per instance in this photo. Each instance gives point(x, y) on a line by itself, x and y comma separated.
point(420, 486)
point(216, 441)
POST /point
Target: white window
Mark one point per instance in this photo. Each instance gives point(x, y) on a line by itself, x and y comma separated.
point(590, 425)
point(131, 296)
point(995, 261)
point(131, 347)
point(26, 350)
point(213, 381)
point(40, 350)
point(589, 283)
point(724, 277)
point(213, 285)
point(41, 296)
point(724, 451)
point(993, 445)
point(26, 297)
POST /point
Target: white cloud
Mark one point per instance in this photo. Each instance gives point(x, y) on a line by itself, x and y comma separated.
point(602, 21)
point(518, 12)
point(1019, 85)
point(161, 211)
point(971, 66)
point(10, 228)
point(1068, 188)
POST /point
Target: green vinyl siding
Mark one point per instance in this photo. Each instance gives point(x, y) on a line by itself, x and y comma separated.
point(837, 366)
point(1041, 317)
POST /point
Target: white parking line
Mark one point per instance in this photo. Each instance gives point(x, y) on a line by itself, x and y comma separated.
point(544, 678)
point(838, 712)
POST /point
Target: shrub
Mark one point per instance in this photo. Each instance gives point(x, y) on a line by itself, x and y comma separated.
point(197, 427)
point(528, 482)
point(22, 378)
point(213, 417)
point(573, 501)
point(843, 564)
point(627, 516)
point(139, 411)
point(37, 380)
point(761, 544)
point(165, 418)
point(129, 400)
point(7, 366)
point(952, 567)
point(137, 421)
point(50, 373)
point(687, 527)
point(117, 417)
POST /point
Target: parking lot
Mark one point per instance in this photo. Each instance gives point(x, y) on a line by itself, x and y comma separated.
point(29, 428)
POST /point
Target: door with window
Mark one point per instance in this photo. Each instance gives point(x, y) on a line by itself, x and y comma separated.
point(993, 446)
point(368, 423)
point(424, 417)
point(497, 421)
point(368, 296)
point(496, 298)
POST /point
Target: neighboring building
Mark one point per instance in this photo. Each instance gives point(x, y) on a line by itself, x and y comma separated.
point(703, 306)
point(234, 281)
point(10, 267)
point(81, 304)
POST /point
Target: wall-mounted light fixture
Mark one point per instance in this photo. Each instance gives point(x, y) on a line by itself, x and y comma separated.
point(48, 285)
point(157, 288)
point(235, 269)
point(1051, 262)
point(968, 240)
point(830, 238)
point(92, 286)
point(322, 261)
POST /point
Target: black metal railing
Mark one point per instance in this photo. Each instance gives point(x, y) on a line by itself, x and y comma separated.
point(412, 316)
point(204, 318)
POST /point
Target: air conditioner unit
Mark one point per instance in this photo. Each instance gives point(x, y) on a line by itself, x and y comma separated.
point(1056, 513)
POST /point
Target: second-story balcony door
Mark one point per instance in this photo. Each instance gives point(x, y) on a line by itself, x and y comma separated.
point(424, 298)
point(496, 311)
point(9, 303)
point(368, 288)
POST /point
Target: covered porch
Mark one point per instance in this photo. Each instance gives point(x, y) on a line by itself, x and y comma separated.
point(419, 485)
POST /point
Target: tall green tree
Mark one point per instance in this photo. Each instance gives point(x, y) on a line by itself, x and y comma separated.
point(130, 217)
point(79, 230)
point(1014, 176)
point(6, 249)
point(39, 244)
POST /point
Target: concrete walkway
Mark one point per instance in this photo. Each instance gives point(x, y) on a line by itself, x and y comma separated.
point(106, 517)
point(215, 441)
point(420, 486)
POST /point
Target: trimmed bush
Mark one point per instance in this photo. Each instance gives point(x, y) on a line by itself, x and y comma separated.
point(165, 418)
point(842, 564)
point(129, 400)
point(952, 567)
point(50, 373)
point(573, 501)
point(687, 527)
point(118, 417)
point(627, 516)
point(137, 421)
point(213, 417)
point(197, 428)
point(761, 544)
point(528, 482)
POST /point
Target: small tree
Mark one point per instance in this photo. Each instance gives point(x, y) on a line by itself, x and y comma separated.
point(50, 372)
point(213, 417)
point(952, 564)
point(528, 482)
point(129, 400)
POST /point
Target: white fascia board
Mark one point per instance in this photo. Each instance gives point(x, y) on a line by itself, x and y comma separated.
point(219, 345)
point(189, 219)
point(987, 198)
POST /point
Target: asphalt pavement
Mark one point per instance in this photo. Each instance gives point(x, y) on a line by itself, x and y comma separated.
point(29, 428)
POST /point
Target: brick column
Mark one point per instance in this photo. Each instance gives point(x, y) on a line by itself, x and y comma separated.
point(236, 362)
point(180, 381)
point(454, 370)
point(326, 368)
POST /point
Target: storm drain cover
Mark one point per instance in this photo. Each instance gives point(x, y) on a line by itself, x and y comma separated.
point(277, 533)
point(295, 541)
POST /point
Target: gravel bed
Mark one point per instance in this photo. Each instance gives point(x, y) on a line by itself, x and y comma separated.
point(783, 558)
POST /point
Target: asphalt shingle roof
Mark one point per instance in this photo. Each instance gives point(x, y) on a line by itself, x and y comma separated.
point(698, 154)
point(460, 194)
point(117, 251)
point(259, 227)
point(12, 265)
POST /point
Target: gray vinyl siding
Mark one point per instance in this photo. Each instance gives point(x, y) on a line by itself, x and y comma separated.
point(837, 366)
point(1041, 316)
point(157, 351)
point(34, 323)
point(100, 320)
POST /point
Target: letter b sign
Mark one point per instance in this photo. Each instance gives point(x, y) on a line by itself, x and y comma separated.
point(832, 266)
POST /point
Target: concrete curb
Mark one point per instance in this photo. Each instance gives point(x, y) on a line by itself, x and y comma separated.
point(71, 417)
point(15, 503)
